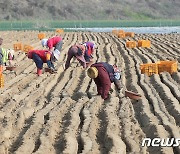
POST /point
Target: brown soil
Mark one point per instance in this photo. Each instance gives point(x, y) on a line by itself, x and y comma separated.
point(53, 113)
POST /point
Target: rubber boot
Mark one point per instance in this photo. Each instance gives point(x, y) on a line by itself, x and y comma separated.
point(39, 71)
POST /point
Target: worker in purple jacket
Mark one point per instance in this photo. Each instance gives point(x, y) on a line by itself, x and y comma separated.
point(104, 74)
point(89, 50)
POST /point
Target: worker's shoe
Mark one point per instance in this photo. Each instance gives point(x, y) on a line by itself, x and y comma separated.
point(39, 71)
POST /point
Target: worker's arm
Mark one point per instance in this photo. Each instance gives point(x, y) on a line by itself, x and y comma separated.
point(48, 60)
point(117, 84)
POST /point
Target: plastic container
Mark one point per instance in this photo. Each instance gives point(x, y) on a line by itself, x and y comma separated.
point(144, 43)
point(1, 81)
point(17, 46)
point(131, 44)
point(41, 36)
point(129, 34)
point(27, 48)
point(149, 69)
point(59, 31)
point(167, 66)
point(121, 35)
point(10, 68)
point(115, 31)
point(132, 95)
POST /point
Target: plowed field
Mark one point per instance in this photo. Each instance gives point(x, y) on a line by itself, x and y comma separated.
point(54, 113)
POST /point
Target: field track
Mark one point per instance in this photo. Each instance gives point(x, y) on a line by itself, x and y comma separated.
point(54, 114)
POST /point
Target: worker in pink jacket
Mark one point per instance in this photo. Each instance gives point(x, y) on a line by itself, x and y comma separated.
point(104, 74)
point(54, 43)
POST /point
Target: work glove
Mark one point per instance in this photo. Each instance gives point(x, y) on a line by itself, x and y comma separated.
point(53, 70)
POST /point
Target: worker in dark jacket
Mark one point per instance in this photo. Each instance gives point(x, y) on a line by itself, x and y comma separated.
point(104, 74)
point(76, 51)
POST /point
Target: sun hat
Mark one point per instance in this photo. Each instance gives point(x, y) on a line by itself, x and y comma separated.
point(92, 72)
point(44, 42)
point(56, 54)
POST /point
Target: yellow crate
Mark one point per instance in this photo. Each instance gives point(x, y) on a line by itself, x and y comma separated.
point(121, 35)
point(149, 69)
point(17, 46)
point(131, 44)
point(144, 43)
point(1, 69)
point(1, 81)
point(121, 31)
point(129, 34)
point(167, 66)
point(59, 31)
point(41, 36)
point(115, 31)
point(27, 48)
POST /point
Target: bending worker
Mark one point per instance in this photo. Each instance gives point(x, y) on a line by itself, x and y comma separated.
point(6, 55)
point(89, 50)
point(54, 43)
point(104, 74)
point(43, 56)
point(82, 52)
point(77, 51)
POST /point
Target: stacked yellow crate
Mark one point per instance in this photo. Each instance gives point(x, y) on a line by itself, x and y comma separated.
point(167, 66)
point(115, 32)
point(149, 69)
point(59, 31)
point(1, 77)
point(27, 48)
point(41, 36)
point(144, 43)
point(18, 46)
point(131, 44)
point(1, 81)
point(158, 67)
point(129, 34)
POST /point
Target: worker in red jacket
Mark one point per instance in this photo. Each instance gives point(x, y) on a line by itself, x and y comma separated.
point(54, 43)
point(77, 51)
point(104, 74)
point(43, 56)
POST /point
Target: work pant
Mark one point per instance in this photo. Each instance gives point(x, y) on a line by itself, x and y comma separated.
point(59, 45)
point(37, 60)
point(71, 53)
point(103, 83)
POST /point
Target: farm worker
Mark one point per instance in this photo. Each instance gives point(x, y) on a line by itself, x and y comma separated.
point(77, 51)
point(43, 56)
point(54, 43)
point(6, 55)
point(104, 74)
point(89, 50)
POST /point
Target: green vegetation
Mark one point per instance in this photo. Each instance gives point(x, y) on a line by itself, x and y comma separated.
point(51, 25)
